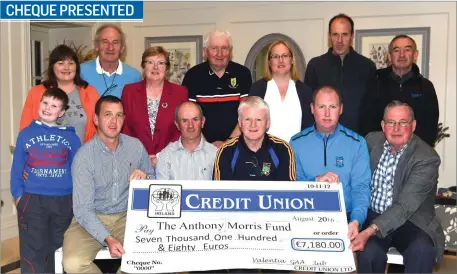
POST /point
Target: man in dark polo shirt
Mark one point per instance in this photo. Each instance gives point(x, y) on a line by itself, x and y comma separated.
point(218, 85)
point(254, 155)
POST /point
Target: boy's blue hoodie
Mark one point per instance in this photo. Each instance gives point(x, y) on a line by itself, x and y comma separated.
point(46, 154)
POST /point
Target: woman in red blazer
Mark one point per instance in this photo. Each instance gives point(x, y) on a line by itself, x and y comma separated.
point(150, 105)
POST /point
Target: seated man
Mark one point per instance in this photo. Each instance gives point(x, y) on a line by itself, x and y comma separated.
point(403, 187)
point(330, 152)
point(254, 155)
point(191, 157)
point(102, 170)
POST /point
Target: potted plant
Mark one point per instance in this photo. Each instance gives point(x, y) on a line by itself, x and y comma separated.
point(441, 134)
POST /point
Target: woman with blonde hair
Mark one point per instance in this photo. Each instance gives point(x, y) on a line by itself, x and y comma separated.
point(289, 98)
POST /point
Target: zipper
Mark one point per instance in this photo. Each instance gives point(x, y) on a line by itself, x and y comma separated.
point(342, 72)
point(325, 151)
point(401, 87)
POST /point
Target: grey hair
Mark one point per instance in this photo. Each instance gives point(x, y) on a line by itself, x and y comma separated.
point(217, 33)
point(402, 36)
point(396, 103)
point(200, 111)
point(113, 26)
point(254, 102)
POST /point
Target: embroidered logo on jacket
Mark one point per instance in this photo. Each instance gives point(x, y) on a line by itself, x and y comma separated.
point(266, 169)
point(340, 161)
point(233, 83)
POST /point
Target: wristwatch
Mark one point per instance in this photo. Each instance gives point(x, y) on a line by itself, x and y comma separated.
point(375, 228)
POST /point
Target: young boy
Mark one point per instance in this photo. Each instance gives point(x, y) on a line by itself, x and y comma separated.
point(45, 152)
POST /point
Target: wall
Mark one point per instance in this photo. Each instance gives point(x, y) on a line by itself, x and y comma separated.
point(307, 24)
point(14, 83)
point(79, 36)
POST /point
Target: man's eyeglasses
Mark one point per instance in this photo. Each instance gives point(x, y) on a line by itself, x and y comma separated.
point(160, 64)
point(402, 123)
point(278, 57)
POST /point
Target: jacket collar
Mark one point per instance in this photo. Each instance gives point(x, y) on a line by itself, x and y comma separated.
point(390, 74)
point(266, 143)
point(337, 57)
point(142, 86)
point(330, 136)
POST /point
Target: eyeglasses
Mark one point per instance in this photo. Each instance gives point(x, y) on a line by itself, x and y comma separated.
point(255, 166)
point(400, 123)
point(278, 57)
point(160, 64)
point(221, 49)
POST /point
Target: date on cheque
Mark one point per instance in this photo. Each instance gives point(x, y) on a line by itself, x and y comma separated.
point(315, 244)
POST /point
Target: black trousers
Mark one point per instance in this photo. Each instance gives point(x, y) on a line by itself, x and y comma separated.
point(42, 222)
point(414, 244)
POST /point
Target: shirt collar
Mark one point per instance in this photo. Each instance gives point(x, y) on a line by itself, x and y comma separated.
point(399, 153)
point(179, 145)
point(211, 71)
point(102, 145)
point(100, 70)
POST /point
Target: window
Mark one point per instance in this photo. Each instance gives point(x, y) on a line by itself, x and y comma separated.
point(256, 56)
point(37, 62)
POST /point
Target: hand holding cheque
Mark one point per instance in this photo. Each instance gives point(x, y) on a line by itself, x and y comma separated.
point(196, 226)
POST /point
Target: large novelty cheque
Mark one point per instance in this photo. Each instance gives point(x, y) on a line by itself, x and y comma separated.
point(176, 226)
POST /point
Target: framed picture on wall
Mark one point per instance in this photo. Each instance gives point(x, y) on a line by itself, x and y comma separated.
point(374, 43)
point(185, 52)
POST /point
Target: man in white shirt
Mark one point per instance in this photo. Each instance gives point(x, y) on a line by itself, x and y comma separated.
point(191, 157)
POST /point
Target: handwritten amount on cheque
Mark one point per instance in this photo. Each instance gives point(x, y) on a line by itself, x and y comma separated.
point(175, 243)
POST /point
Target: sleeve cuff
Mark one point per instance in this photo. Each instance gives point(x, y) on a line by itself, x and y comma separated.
point(102, 236)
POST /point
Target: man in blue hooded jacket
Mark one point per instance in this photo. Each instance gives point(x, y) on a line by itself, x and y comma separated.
point(330, 152)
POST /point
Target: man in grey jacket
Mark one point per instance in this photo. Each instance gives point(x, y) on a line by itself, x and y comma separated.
point(403, 186)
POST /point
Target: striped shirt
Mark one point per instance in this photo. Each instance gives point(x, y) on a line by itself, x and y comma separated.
point(382, 181)
point(219, 97)
point(177, 163)
point(101, 180)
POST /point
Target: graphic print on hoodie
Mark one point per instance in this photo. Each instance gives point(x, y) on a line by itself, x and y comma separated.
point(46, 154)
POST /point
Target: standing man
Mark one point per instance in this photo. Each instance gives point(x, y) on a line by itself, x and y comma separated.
point(343, 68)
point(107, 73)
point(191, 157)
point(329, 152)
point(255, 155)
point(402, 81)
point(102, 170)
point(403, 187)
point(218, 85)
